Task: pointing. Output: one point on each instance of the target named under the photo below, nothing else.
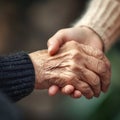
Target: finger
(89, 77)
(76, 94)
(95, 65)
(55, 42)
(93, 81)
(107, 75)
(102, 69)
(84, 88)
(53, 90)
(68, 89)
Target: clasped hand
(80, 66)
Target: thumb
(53, 46)
(55, 42)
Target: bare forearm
(103, 17)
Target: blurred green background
(27, 25)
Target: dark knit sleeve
(17, 75)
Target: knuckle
(96, 81)
(74, 44)
(88, 50)
(62, 31)
(99, 54)
(75, 53)
(85, 87)
(102, 68)
(74, 66)
(49, 41)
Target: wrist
(38, 58)
(92, 38)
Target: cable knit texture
(103, 17)
(16, 75)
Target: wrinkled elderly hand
(75, 64)
(61, 69)
(96, 64)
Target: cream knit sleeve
(103, 17)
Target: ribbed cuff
(17, 75)
(103, 17)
